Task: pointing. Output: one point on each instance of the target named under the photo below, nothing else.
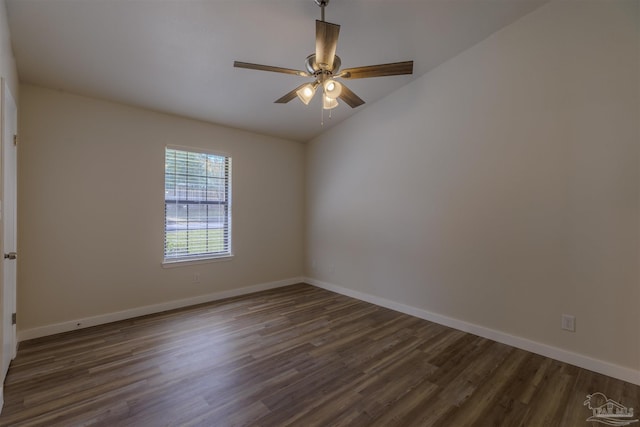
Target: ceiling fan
(324, 67)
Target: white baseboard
(86, 322)
(576, 359)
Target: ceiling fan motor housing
(314, 69)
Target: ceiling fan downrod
(322, 4)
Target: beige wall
(91, 208)
(500, 189)
(8, 69)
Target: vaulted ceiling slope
(176, 56)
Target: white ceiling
(176, 56)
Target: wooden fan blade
(350, 98)
(393, 69)
(326, 42)
(290, 95)
(260, 67)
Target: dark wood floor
(297, 356)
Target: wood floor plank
(293, 356)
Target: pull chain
(322, 115)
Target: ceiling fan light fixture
(332, 89)
(329, 103)
(324, 66)
(306, 92)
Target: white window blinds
(197, 209)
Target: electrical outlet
(568, 322)
(196, 278)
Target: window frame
(226, 254)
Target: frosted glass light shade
(332, 89)
(306, 92)
(329, 103)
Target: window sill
(192, 261)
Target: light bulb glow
(332, 89)
(329, 103)
(306, 92)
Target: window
(197, 205)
